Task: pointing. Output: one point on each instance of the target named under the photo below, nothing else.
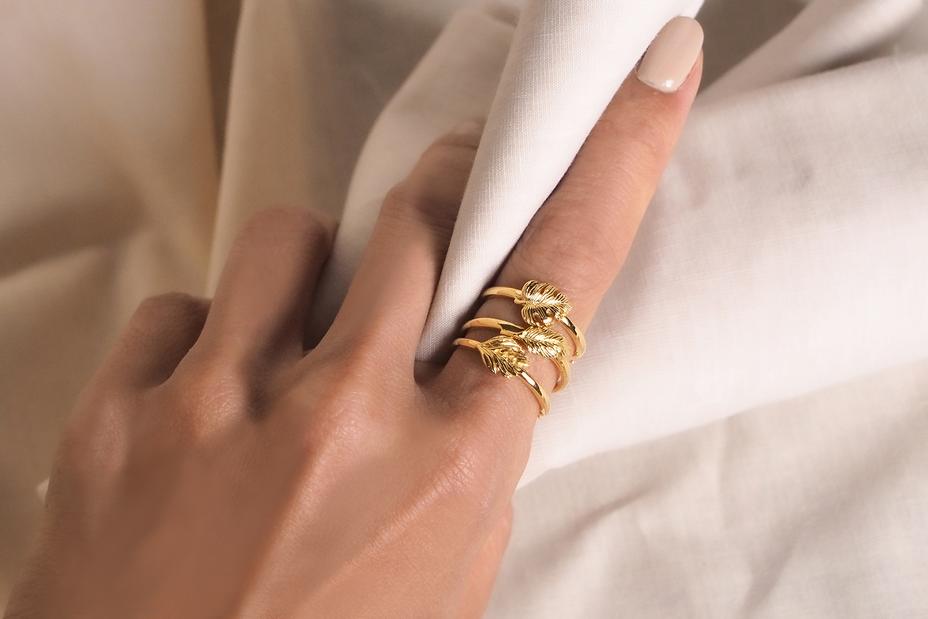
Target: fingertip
(470, 126)
(466, 133)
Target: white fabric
(764, 248)
(813, 508)
(784, 253)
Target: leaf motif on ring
(503, 355)
(543, 341)
(542, 303)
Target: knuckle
(467, 136)
(202, 395)
(93, 443)
(402, 208)
(309, 227)
(169, 306)
(611, 129)
(345, 407)
(340, 425)
(400, 202)
(432, 193)
(574, 258)
(450, 153)
(638, 146)
(359, 353)
(407, 204)
(326, 420)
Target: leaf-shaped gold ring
(542, 303)
(542, 341)
(504, 356)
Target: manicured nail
(671, 55)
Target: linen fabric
(777, 288)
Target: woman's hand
(215, 468)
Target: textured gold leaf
(543, 341)
(542, 303)
(503, 355)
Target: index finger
(580, 238)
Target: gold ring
(542, 341)
(504, 356)
(542, 304)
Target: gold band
(541, 304)
(576, 335)
(503, 291)
(542, 341)
(504, 356)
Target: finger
(266, 285)
(579, 239)
(158, 335)
(389, 298)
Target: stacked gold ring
(542, 304)
(542, 341)
(506, 354)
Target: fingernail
(671, 55)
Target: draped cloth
(745, 436)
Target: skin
(216, 468)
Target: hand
(215, 468)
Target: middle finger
(389, 298)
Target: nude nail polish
(671, 55)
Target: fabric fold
(826, 34)
(766, 267)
